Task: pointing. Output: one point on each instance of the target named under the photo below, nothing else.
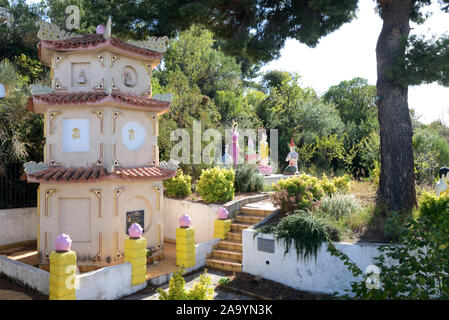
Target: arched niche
(137, 209)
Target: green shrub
(306, 230)
(248, 179)
(328, 186)
(179, 186)
(339, 206)
(216, 185)
(431, 151)
(342, 183)
(394, 226)
(297, 192)
(201, 290)
(375, 174)
(224, 281)
(435, 209)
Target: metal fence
(15, 193)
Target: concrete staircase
(227, 254)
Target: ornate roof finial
(100, 29)
(51, 32)
(107, 34)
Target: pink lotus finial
(223, 213)
(63, 243)
(184, 221)
(100, 29)
(135, 230)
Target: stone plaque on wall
(75, 135)
(265, 245)
(133, 135)
(136, 216)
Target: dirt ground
(11, 290)
(269, 289)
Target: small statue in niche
(128, 79)
(76, 133)
(82, 79)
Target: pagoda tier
(97, 42)
(41, 102)
(116, 129)
(99, 173)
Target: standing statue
(226, 160)
(235, 143)
(292, 159)
(263, 167)
(263, 150)
(442, 183)
(251, 156)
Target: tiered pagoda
(101, 169)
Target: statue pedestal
(291, 170)
(265, 170)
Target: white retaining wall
(17, 225)
(202, 215)
(108, 283)
(104, 284)
(326, 274)
(33, 277)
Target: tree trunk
(396, 183)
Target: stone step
(254, 211)
(247, 219)
(224, 264)
(230, 245)
(240, 226)
(235, 236)
(227, 254)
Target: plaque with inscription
(137, 216)
(265, 245)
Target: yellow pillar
(221, 228)
(136, 254)
(62, 275)
(185, 247)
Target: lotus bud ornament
(101, 29)
(184, 221)
(63, 243)
(223, 213)
(135, 230)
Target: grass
(356, 215)
(347, 214)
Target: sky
(350, 52)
